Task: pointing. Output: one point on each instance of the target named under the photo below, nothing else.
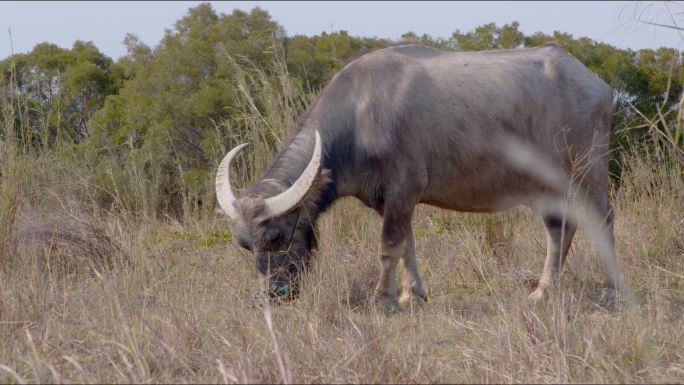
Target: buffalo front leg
(396, 231)
(386, 290)
(559, 233)
(411, 283)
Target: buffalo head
(278, 229)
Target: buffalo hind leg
(599, 217)
(559, 232)
(411, 283)
(604, 240)
(614, 287)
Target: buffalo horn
(224, 192)
(293, 196)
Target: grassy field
(89, 294)
(93, 297)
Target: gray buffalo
(468, 131)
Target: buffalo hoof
(412, 303)
(387, 304)
(413, 298)
(610, 300)
(536, 297)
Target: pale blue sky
(106, 23)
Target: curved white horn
(290, 198)
(224, 192)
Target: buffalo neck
(289, 164)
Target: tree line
(175, 108)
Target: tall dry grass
(95, 295)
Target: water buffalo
(412, 124)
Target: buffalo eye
(273, 236)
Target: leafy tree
(311, 59)
(411, 38)
(488, 36)
(57, 90)
(176, 96)
(164, 113)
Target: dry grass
(88, 295)
(173, 302)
